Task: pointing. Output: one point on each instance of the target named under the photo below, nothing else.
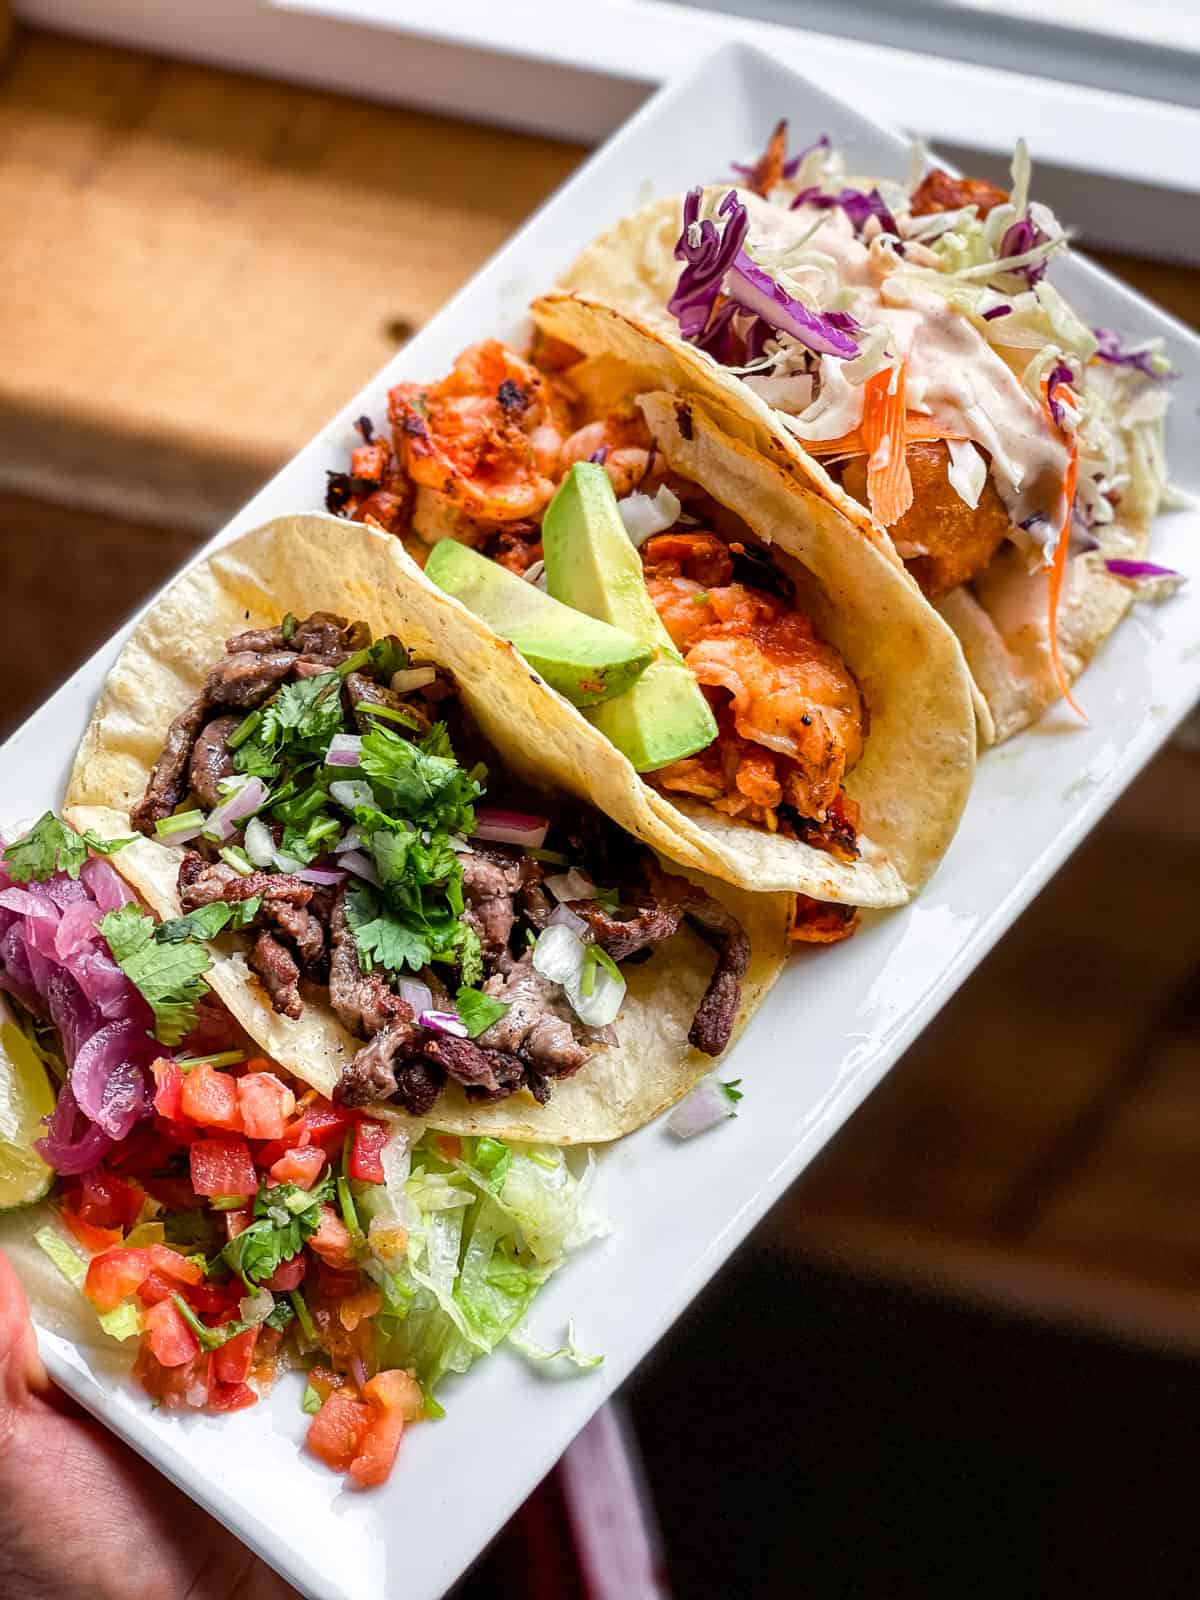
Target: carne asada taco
(903, 351)
(805, 723)
(320, 750)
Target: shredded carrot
(889, 483)
(1058, 566)
(918, 429)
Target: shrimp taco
(802, 720)
(900, 348)
(316, 748)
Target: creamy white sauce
(952, 374)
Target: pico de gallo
(231, 1221)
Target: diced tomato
(449, 1146)
(231, 1396)
(147, 1150)
(335, 1284)
(210, 1098)
(174, 1387)
(231, 1362)
(213, 1299)
(359, 1307)
(178, 1133)
(394, 1398)
(89, 1235)
(168, 1089)
(289, 1276)
(336, 1433)
(118, 1273)
(301, 1167)
(265, 1104)
(223, 1166)
(332, 1240)
(156, 1286)
(171, 1341)
(366, 1158)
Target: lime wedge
(26, 1096)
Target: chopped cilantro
(423, 784)
(209, 1338)
(287, 627)
(731, 1091)
(309, 710)
(281, 1317)
(51, 846)
(284, 1217)
(382, 938)
(206, 922)
(478, 1011)
(312, 1401)
(303, 1315)
(168, 976)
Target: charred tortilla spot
(511, 395)
(683, 417)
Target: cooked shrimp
(628, 451)
(790, 693)
(482, 445)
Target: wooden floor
(197, 270)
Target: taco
(900, 348)
(304, 732)
(806, 723)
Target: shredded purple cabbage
(1113, 351)
(707, 260)
(55, 962)
(857, 205)
(997, 311)
(1142, 571)
(1020, 238)
(716, 264)
(1060, 374)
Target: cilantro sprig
(477, 1011)
(285, 1216)
(51, 846)
(206, 922)
(169, 976)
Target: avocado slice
(592, 565)
(585, 660)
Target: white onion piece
(600, 1007)
(444, 1022)
(250, 797)
(644, 516)
(571, 885)
(416, 994)
(707, 1105)
(360, 865)
(351, 840)
(320, 875)
(345, 750)
(413, 678)
(256, 1307)
(511, 827)
(967, 471)
(563, 917)
(351, 792)
(259, 844)
(559, 951)
(282, 862)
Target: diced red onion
(755, 289)
(511, 827)
(416, 994)
(571, 885)
(223, 821)
(409, 678)
(360, 865)
(324, 876)
(345, 750)
(259, 842)
(443, 1022)
(563, 917)
(703, 1108)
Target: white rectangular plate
(836, 1022)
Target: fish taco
(798, 719)
(900, 348)
(351, 787)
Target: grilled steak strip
(211, 760)
(169, 781)
(279, 973)
(533, 1027)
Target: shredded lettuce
(484, 1223)
(123, 1322)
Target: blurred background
(960, 1356)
